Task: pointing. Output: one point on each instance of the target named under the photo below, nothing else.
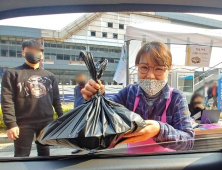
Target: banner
(120, 74)
(198, 56)
(219, 90)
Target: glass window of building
(12, 51)
(121, 26)
(53, 44)
(59, 45)
(19, 41)
(46, 55)
(19, 51)
(106, 50)
(115, 36)
(72, 57)
(4, 40)
(47, 43)
(67, 46)
(93, 33)
(53, 56)
(59, 57)
(4, 50)
(104, 34)
(116, 51)
(116, 60)
(91, 49)
(78, 47)
(12, 41)
(111, 60)
(111, 50)
(72, 47)
(77, 58)
(83, 47)
(110, 24)
(19, 55)
(66, 57)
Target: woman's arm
(180, 132)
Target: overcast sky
(54, 22)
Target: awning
(176, 35)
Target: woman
(167, 121)
(195, 105)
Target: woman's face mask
(152, 86)
(153, 80)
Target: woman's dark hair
(32, 44)
(191, 105)
(159, 52)
(195, 95)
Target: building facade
(100, 33)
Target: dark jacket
(178, 127)
(78, 99)
(28, 96)
(209, 92)
(193, 110)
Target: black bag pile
(97, 124)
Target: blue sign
(219, 91)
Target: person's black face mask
(82, 83)
(32, 58)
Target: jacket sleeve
(179, 135)
(8, 100)
(121, 96)
(56, 98)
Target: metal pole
(127, 62)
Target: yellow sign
(198, 56)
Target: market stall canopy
(176, 35)
(15, 8)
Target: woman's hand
(91, 88)
(152, 129)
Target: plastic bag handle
(96, 71)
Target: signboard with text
(219, 90)
(198, 56)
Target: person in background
(212, 92)
(81, 80)
(29, 94)
(206, 87)
(195, 105)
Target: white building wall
(100, 25)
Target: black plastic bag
(97, 124)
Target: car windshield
(159, 93)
